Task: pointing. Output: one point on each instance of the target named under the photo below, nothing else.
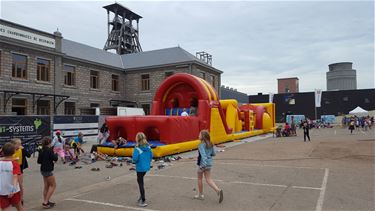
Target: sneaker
(142, 204)
(199, 197)
(139, 200)
(221, 196)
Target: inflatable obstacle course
(171, 133)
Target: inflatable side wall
(174, 133)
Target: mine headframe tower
(123, 36)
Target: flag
(318, 97)
(270, 97)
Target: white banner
(270, 97)
(318, 97)
(26, 36)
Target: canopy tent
(359, 111)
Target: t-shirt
(57, 144)
(18, 156)
(8, 168)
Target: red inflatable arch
(178, 92)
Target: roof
(288, 78)
(122, 10)
(88, 53)
(159, 57)
(146, 59)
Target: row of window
(43, 107)
(19, 70)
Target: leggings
(140, 176)
(306, 134)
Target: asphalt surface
(335, 171)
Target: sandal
(46, 206)
(52, 204)
(95, 169)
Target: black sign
(29, 129)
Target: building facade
(341, 76)
(230, 93)
(43, 73)
(288, 85)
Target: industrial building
(332, 102)
(43, 73)
(341, 76)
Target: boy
(9, 171)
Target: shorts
(14, 200)
(46, 173)
(201, 170)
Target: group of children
(14, 161)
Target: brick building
(43, 73)
(286, 85)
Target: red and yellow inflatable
(171, 133)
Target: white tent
(359, 111)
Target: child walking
(46, 158)
(205, 153)
(9, 185)
(20, 156)
(142, 156)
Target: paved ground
(333, 172)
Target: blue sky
(254, 43)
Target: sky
(252, 42)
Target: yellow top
(18, 156)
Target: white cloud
(254, 43)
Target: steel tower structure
(123, 37)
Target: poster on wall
(70, 126)
(29, 129)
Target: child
(20, 156)
(46, 158)
(9, 185)
(206, 151)
(119, 141)
(142, 156)
(58, 144)
(76, 144)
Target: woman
(46, 158)
(142, 156)
(206, 151)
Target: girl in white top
(58, 144)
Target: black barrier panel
(29, 129)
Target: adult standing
(142, 156)
(205, 153)
(306, 129)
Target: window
(0, 62)
(146, 108)
(19, 106)
(115, 83)
(145, 82)
(70, 108)
(69, 75)
(167, 74)
(94, 79)
(43, 107)
(212, 80)
(43, 67)
(203, 75)
(19, 66)
(94, 105)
